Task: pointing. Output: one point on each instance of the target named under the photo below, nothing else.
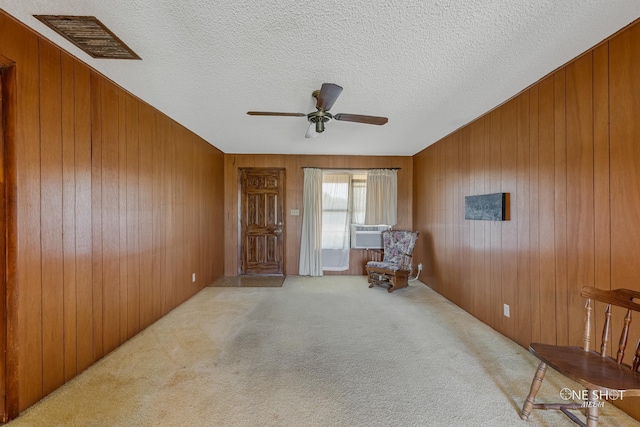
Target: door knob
(279, 229)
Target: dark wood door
(3, 255)
(8, 238)
(262, 208)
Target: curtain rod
(353, 169)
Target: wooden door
(8, 292)
(3, 288)
(262, 226)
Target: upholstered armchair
(391, 267)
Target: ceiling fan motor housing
(319, 118)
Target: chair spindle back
(621, 298)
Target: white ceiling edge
(431, 67)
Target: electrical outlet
(193, 277)
(419, 267)
(506, 310)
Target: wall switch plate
(193, 277)
(295, 212)
(506, 310)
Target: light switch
(295, 212)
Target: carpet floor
(249, 282)
(324, 351)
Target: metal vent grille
(90, 35)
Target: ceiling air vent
(90, 35)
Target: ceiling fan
(325, 97)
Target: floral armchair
(392, 266)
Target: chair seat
(588, 368)
(384, 265)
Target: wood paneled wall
(293, 165)
(566, 150)
(117, 206)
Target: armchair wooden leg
(392, 284)
(535, 386)
(370, 279)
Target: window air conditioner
(367, 236)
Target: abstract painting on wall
(488, 207)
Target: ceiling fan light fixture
(319, 126)
(311, 131)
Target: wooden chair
(392, 266)
(602, 376)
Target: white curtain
(336, 220)
(311, 239)
(358, 196)
(382, 197)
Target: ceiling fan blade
(370, 120)
(327, 96)
(271, 113)
(311, 131)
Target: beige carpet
(249, 282)
(317, 352)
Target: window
(343, 203)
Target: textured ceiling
(430, 66)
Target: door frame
(9, 403)
(241, 222)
